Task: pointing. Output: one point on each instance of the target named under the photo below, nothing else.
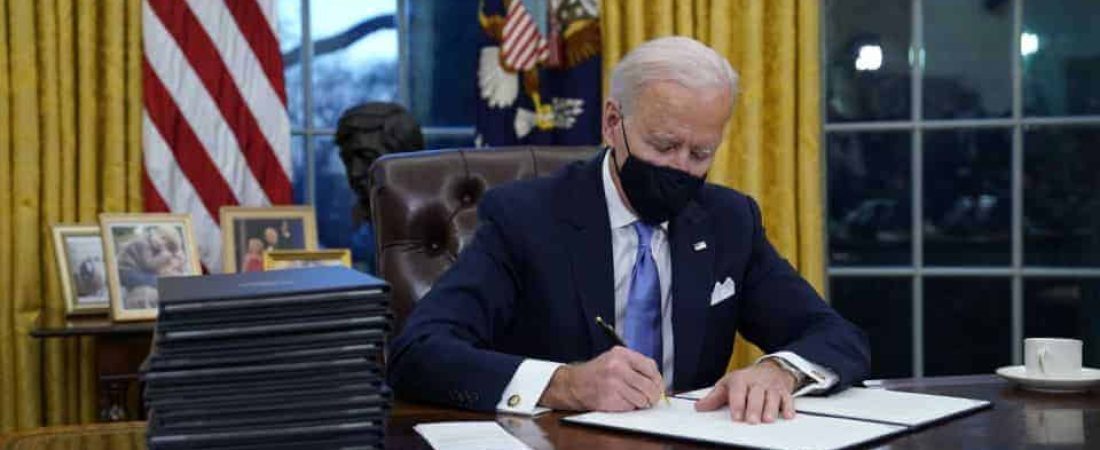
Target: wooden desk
(1018, 419)
(120, 350)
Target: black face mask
(657, 193)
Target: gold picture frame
(248, 233)
(138, 249)
(78, 251)
(293, 259)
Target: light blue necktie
(642, 324)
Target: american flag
(522, 45)
(215, 128)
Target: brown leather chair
(424, 207)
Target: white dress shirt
(533, 375)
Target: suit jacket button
(513, 400)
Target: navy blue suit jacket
(539, 270)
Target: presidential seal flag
(215, 129)
(538, 72)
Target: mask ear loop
(622, 127)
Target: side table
(120, 350)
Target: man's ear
(611, 119)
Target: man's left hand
(755, 394)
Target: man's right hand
(620, 379)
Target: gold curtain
(772, 145)
(70, 148)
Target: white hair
(679, 59)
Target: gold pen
(610, 332)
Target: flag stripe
(528, 49)
(523, 47)
(247, 72)
(187, 150)
(509, 23)
(177, 194)
(267, 7)
(153, 202)
(260, 38)
(515, 42)
(519, 32)
(203, 57)
(201, 112)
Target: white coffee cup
(1052, 357)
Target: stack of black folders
(272, 360)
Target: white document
(901, 408)
(696, 394)
(481, 435)
(679, 419)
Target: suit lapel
(692, 278)
(587, 233)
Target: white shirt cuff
(523, 392)
(820, 378)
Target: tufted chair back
(425, 207)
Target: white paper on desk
(696, 394)
(902, 408)
(481, 435)
(679, 419)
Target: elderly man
(632, 243)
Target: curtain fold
(70, 148)
(772, 145)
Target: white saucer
(1087, 379)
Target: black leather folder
(286, 356)
(367, 386)
(260, 344)
(285, 382)
(214, 291)
(267, 437)
(213, 411)
(255, 373)
(227, 318)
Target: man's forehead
(669, 130)
(664, 135)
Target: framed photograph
(247, 233)
(79, 252)
(138, 249)
(293, 259)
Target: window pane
(867, 66)
(1062, 196)
(968, 59)
(869, 198)
(968, 197)
(448, 140)
(967, 325)
(354, 55)
(334, 199)
(1060, 47)
(881, 307)
(443, 38)
(1067, 308)
(298, 164)
(290, 39)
